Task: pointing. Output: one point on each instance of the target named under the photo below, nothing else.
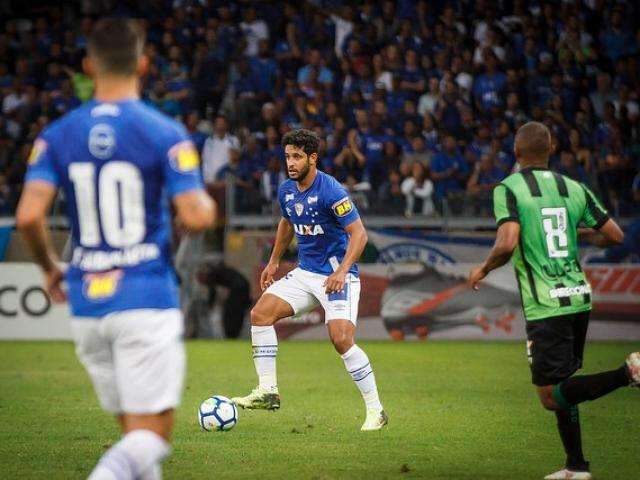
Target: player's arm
(357, 241)
(31, 221)
(195, 210)
(602, 230)
(506, 241)
(507, 238)
(284, 235)
(606, 236)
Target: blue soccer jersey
(119, 164)
(319, 216)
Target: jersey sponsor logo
(102, 141)
(342, 207)
(308, 229)
(312, 200)
(101, 286)
(563, 292)
(288, 197)
(299, 208)
(39, 147)
(183, 157)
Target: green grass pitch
(457, 411)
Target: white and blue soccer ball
(217, 414)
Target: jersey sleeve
(504, 205)
(181, 165)
(41, 163)
(341, 205)
(594, 215)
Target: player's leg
(552, 357)
(557, 348)
(341, 313)
(149, 363)
(284, 298)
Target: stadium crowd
(416, 102)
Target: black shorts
(555, 347)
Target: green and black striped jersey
(549, 208)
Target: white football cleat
(566, 474)
(259, 399)
(376, 419)
(633, 364)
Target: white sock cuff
(352, 351)
(151, 440)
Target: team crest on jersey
(102, 141)
(299, 208)
(101, 286)
(39, 147)
(342, 207)
(184, 157)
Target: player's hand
(53, 284)
(266, 278)
(335, 282)
(475, 276)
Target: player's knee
(342, 342)
(549, 403)
(260, 318)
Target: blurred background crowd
(416, 102)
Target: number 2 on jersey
(554, 223)
(121, 200)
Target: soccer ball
(217, 413)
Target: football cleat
(566, 474)
(376, 419)
(259, 399)
(633, 366)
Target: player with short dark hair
(538, 214)
(331, 237)
(120, 163)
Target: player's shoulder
(328, 184)
(512, 182)
(288, 186)
(58, 129)
(150, 117)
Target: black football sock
(575, 390)
(569, 429)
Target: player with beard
(330, 237)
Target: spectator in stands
(571, 168)
(486, 175)
(447, 167)
(253, 30)
(216, 150)
(418, 190)
(603, 93)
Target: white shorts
(305, 290)
(134, 358)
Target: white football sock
(357, 364)
(265, 349)
(153, 473)
(133, 457)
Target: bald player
(538, 213)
